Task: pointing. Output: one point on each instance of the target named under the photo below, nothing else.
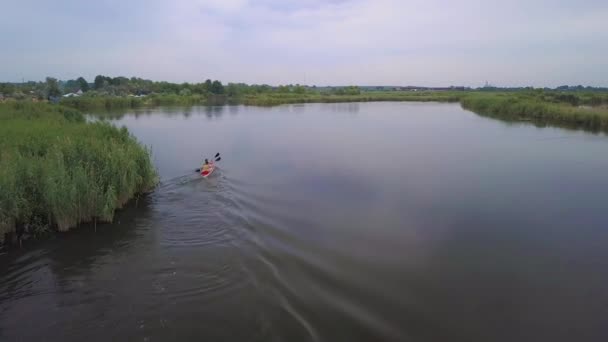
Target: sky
(333, 42)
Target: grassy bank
(554, 109)
(582, 109)
(109, 103)
(271, 99)
(57, 171)
(96, 103)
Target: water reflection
(234, 110)
(214, 111)
(78, 252)
(345, 107)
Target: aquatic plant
(58, 170)
(538, 109)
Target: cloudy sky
(331, 42)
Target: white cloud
(324, 42)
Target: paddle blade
(197, 170)
(217, 155)
(218, 159)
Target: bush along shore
(110, 103)
(568, 111)
(271, 99)
(57, 171)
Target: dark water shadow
(71, 254)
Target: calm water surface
(334, 222)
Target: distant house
(76, 94)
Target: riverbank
(568, 111)
(271, 99)
(91, 103)
(96, 103)
(57, 171)
(584, 110)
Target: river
(333, 222)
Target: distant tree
(353, 90)
(70, 86)
(83, 84)
(7, 88)
(217, 87)
(166, 87)
(233, 90)
(207, 86)
(298, 89)
(52, 87)
(198, 88)
(350, 90)
(99, 82)
(264, 88)
(118, 81)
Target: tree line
(122, 86)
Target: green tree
(99, 82)
(298, 89)
(232, 90)
(70, 86)
(199, 88)
(83, 84)
(217, 87)
(52, 87)
(118, 81)
(207, 86)
(7, 88)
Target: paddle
(217, 159)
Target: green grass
(58, 171)
(271, 99)
(110, 103)
(540, 108)
(85, 103)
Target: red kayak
(206, 173)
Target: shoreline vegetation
(565, 106)
(576, 110)
(58, 171)
(573, 111)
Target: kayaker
(206, 165)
